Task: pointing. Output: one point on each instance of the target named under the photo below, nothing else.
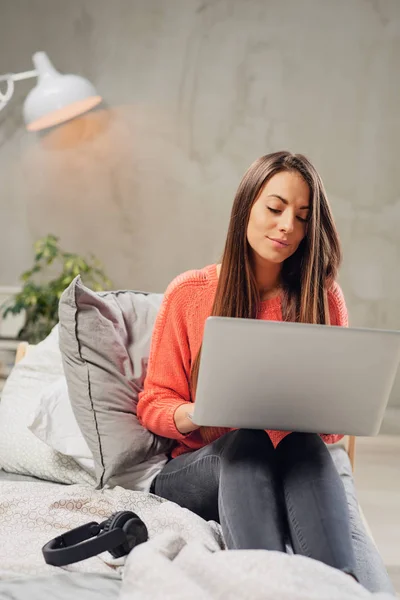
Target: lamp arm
(10, 78)
(19, 76)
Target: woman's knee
(246, 443)
(300, 442)
(303, 451)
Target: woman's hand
(183, 418)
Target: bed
(44, 491)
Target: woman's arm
(165, 401)
(337, 307)
(339, 317)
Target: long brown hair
(306, 275)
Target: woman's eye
(276, 211)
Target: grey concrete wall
(194, 91)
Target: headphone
(119, 535)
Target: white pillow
(54, 423)
(20, 451)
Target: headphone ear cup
(136, 532)
(117, 520)
(133, 527)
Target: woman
(280, 263)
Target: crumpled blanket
(169, 567)
(33, 513)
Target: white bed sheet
(32, 513)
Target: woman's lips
(278, 243)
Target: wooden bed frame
(350, 444)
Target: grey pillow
(105, 341)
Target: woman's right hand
(183, 420)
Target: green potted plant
(52, 271)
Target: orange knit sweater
(177, 337)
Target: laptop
(295, 377)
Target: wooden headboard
(21, 351)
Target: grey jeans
(260, 495)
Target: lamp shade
(56, 98)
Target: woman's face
(278, 218)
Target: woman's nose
(286, 224)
